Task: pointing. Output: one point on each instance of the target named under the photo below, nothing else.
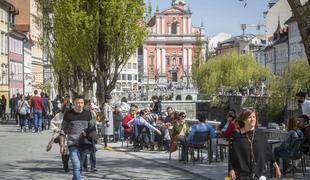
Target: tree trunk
(301, 15)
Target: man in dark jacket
(77, 123)
(303, 124)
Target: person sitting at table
(232, 125)
(287, 147)
(249, 150)
(142, 124)
(201, 127)
(224, 123)
(179, 131)
(303, 124)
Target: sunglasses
(183, 116)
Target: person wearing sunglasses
(179, 131)
(232, 126)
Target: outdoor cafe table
(271, 142)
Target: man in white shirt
(305, 104)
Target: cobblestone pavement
(23, 156)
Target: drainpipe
(275, 59)
(8, 50)
(288, 53)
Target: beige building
(128, 78)
(27, 22)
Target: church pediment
(174, 10)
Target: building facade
(168, 53)
(16, 62)
(27, 22)
(27, 67)
(242, 44)
(296, 47)
(7, 19)
(128, 78)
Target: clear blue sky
(222, 15)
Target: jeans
(37, 118)
(23, 121)
(74, 153)
(92, 159)
(30, 123)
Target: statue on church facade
(177, 2)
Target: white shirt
(306, 108)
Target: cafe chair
(297, 155)
(201, 141)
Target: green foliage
(216, 102)
(95, 39)
(229, 71)
(283, 89)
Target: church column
(157, 25)
(163, 62)
(184, 24)
(185, 58)
(163, 25)
(189, 25)
(169, 28)
(157, 60)
(145, 70)
(189, 60)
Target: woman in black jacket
(249, 150)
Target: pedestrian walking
(37, 107)
(3, 105)
(12, 106)
(77, 123)
(88, 143)
(23, 108)
(108, 121)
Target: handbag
(18, 110)
(50, 144)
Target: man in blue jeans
(37, 107)
(76, 124)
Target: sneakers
(93, 169)
(109, 148)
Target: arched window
(174, 28)
(168, 61)
(189, 97)
(178, 98)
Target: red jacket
(126, 120)
(230, 129)
(36, 102)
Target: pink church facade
(168, 53)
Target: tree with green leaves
(229, 71)
(282, 89)
(93, 40)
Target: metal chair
(201, 140)
(297, 155)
